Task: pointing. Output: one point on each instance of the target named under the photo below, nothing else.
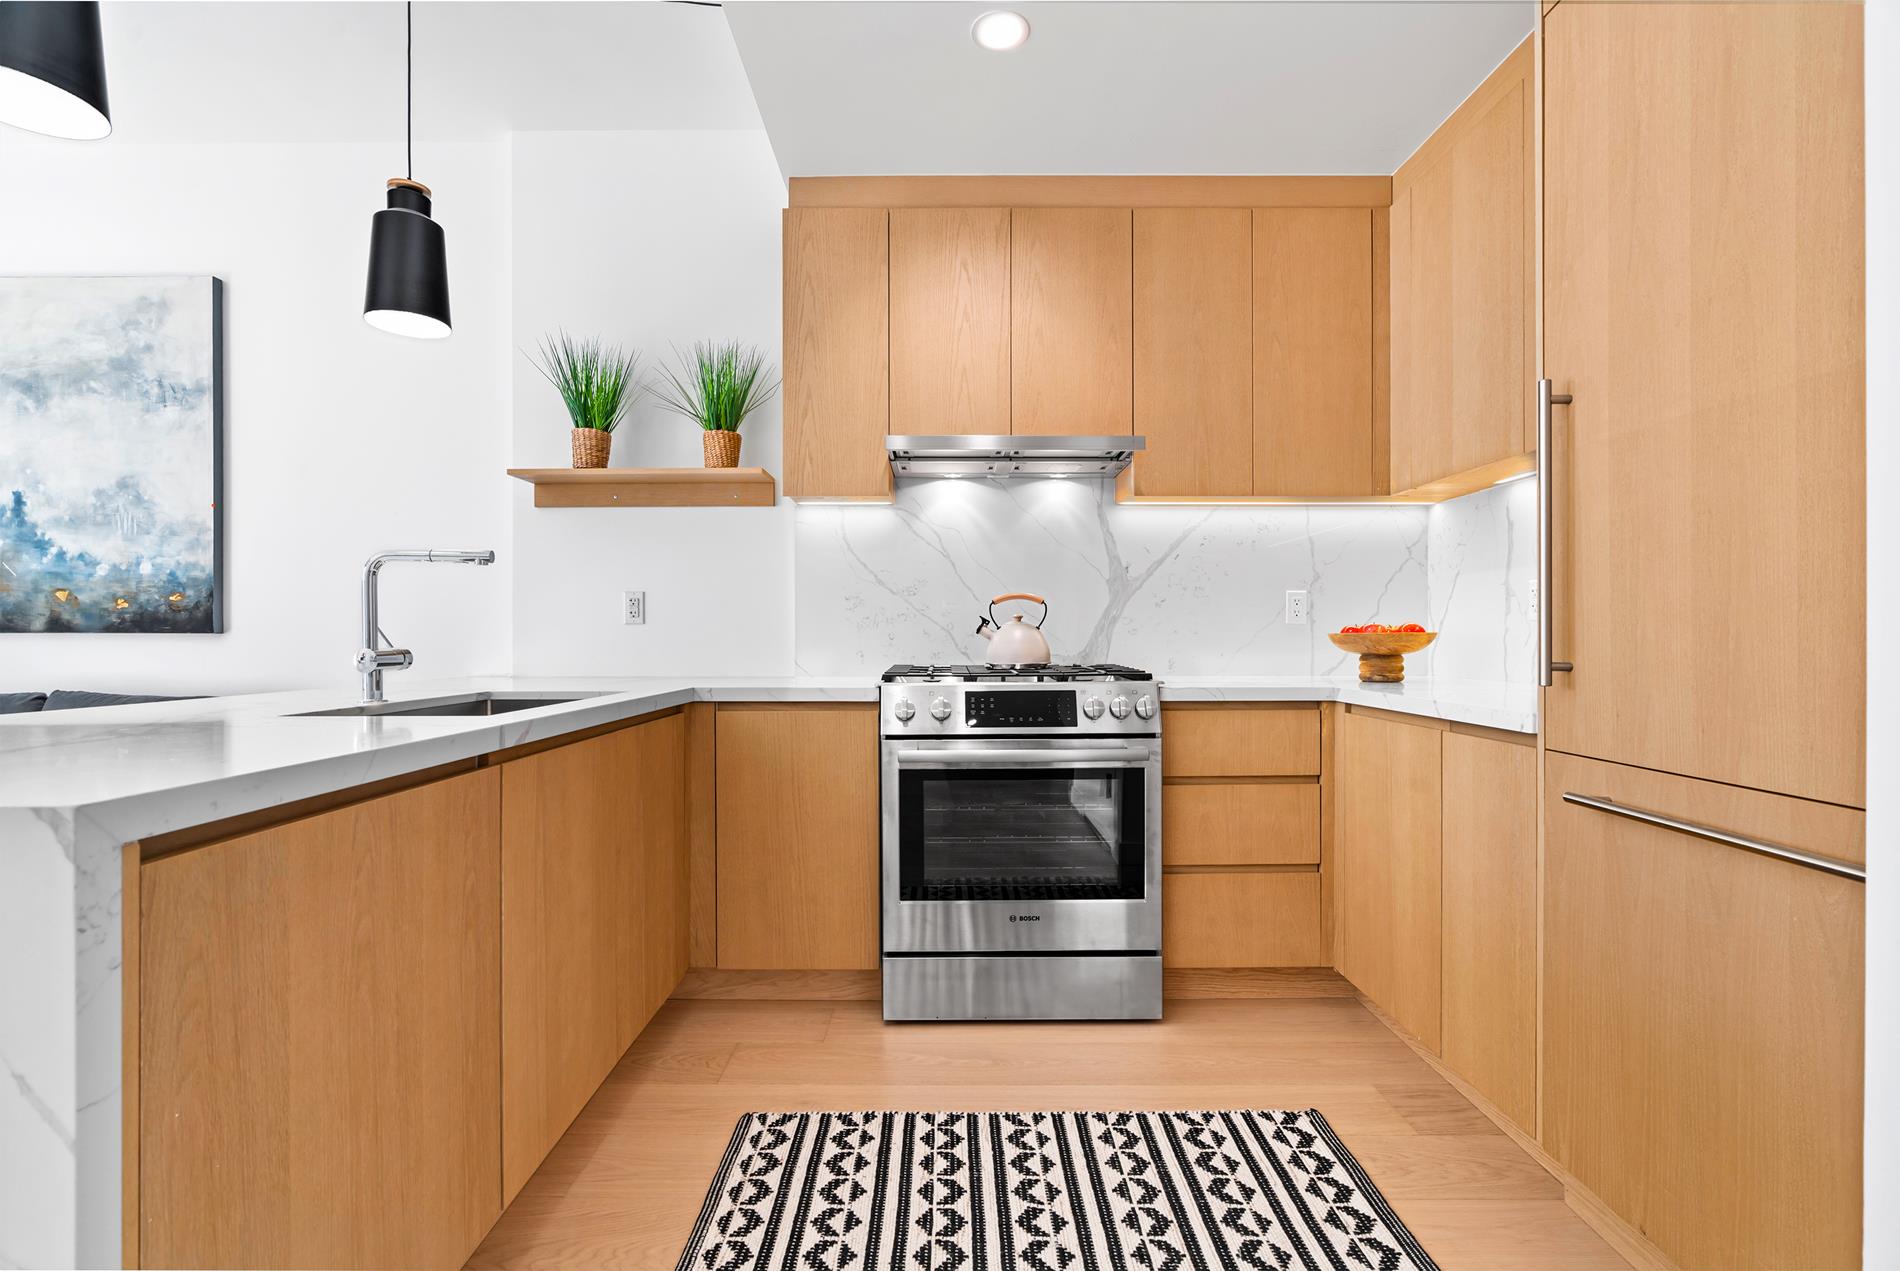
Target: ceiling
(1155, 87)
(1148, 86)
(299, 71)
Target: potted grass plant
(598, 384)
(716, 387)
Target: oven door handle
(991, 756)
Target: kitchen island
(77, 788)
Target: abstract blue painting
(111, 454)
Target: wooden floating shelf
(650, 487)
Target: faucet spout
(372, 659)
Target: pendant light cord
(409, 87)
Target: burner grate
(973, 673)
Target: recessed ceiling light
(1001, 30)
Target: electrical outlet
(634, 608)
(1296, 609)
(1533, 605)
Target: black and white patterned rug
(1044, 1191)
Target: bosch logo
(1025, 917)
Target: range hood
(1020, 456)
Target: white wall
(340, 440)
(1882, 1179)
(647, 239)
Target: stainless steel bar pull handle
(1051, 758)
(1793, 855)
(1547, 665)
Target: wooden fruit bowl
(1381, 653)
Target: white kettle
(1016, 643)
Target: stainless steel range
(1021, 855)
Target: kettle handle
(1031, 597)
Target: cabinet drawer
(1240, 919)
(1244, 741)
(1240, 823)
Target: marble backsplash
(1181, 590)
(1481, 583)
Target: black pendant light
(53, 69)
(408, 291)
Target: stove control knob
(939, 709)
(1092, 707)
(1119, 707)
(1145, 706)
(904, 711)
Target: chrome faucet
(373, 659)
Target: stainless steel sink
(460, 704)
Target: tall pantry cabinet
(1702, 305)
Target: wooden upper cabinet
(1708, 475)
(319, 1039)
(837, 352)
(1193, 381)
(1312, 351)
(949, 321)
(1462, 276)
(1071, 320)
(1388, 860)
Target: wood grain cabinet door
(949, 321)
(1193, 378)
(1071, 339)
(1312, 351)
(1703, 1018)
(319, 1038)
(1387, 855)
(1462, 275)
(1489, 918)
(593, 915)
(837, 352)
(797, 831)
(1704, 292)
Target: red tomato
(1412, 626)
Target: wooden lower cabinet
(1253, 740)
(1387, 859)
(1488, 913)
(1240, 918)
(1240, 823)
(797, 836)
(593, 921)
(319, 1038)
(1703, 1018)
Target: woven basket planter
(722, 448)
(591, 447)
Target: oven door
(1022, 845)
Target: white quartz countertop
(147, 769)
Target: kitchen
(698, 798)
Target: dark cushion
(67, 699)
(20, 703)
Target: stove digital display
(1025, 708)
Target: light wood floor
(623, 1187)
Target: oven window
(1002, 834)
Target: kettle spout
(984, 627)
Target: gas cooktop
(907, 673)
